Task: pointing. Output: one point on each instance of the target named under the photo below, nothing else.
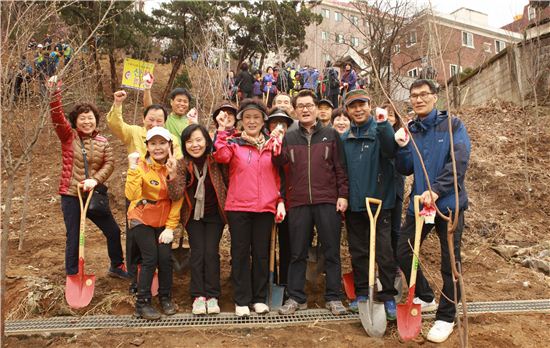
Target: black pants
(250, 235)
(358, 224)
(446, 310)
(204, 240)
(396, 223)
(132, 252)
(334, 99)
(284, 252)
(301, 220)
(154, 254)
(107, 224)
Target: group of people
(301, 166)
(327, 84)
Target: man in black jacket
(317, 194)
(244, 81)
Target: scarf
(258, 142)
(199, 193)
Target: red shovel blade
(154, 284)
(409, 318)
(79, 288)
(349, 286)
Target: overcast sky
(501, 12)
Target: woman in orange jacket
(152, 217)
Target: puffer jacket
(177, 187)
(147, 190)
(98, 152)
(431, 135)
(254, 181)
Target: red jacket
(99, 152)
(254, 181)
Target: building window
(397, 49)
(338, 16)
(411, 40)
(487, 47)
(412, 72)
(467, 39)
(324, 35)
(531, 13)
(499, 45)
(354, 20)
(354, 41)
(325, 13)
(455, 69)
(339, 38)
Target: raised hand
(120, 96)
(148, 80)
(381, 115)
(133, 159)
(222, 120)
(402, 137)
(54, 84)
(193, 116)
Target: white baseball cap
(161, 131)
(39, 46)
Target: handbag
(99, 204)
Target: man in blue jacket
(369, 146)
(430, 131)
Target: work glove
(381, 115)
(148, 81)
(133, 159)
(277, 139)
(89, 184)
(167, 236)
(428, 212)
(193, 116)
(54, 84)
(281, 212)
(402, 137)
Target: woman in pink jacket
(253, 199)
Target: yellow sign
(132, 76)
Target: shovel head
(277, 293)
(409, 318)
(79, 288)
(374, 322)
(349, 286)
(180, 260)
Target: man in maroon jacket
(318, 192)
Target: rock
(506, 251)
(502, 138)
(542, 266)
(543, 254)
(526, 284)
(499, 174)
(523, 252)
(138, 341)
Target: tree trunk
(23, 225)
(93, 49)
(4, 255)
(112, 63)
(170, 82)
(262, 58)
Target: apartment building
(536, 13)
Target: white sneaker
(426, 306)
(199, 306)
(212, 306)
(261, 308)
(440, 331)
(242, 311)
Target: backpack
(333, 80)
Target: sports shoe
(336, 307)
(391, 310)
(440, 331)
(291, 306)
(426, 306)
(242, 311)
(119, 272)
(353, 307)
(261, 308)
(199, 305)
(212, 306)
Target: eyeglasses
(422, 95)
(306, 106)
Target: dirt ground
(509, 204)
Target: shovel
(372, 314)
(409, 314)
(79, 288)
(180, 258)
(315, 263)
(349, 287)
(276, 292)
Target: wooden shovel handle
(419, 223)
(272, 249)
(83, 211)
(372, 242)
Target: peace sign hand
(171, 164)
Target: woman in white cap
(253, 202)
(153, 216)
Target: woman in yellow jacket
(152, 218)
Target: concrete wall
(508, 76)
